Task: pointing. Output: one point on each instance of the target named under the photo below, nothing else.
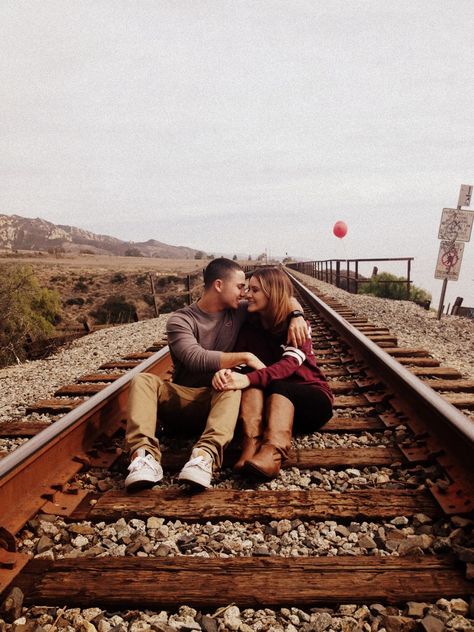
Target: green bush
(385, 285)
(115, 310)
(28, 310)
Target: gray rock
(163, 550)
(432, 624)
(320, 621)
(460, 623)
(367, 542)
(208, 624)
(44, 544)
(416, 609)
(394, 623)
(11, 606)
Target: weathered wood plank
(251, 505)
(350, 401)
(466, 386)
(418, 361)
(310, 459)
(22, 428)
(54, 406)
(139, 356)
(255, 582)
(79, 389)
(352, 424)
(120, 364)
(440, 371)
(100, 377)
(342, 387)
(407, 351)
(460, 400)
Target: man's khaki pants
(151, 399)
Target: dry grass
(91, 279)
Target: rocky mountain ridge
(23, 233)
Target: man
(200, 338)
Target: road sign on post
(465, 194)
(454, 229)
(449, 260)
(456, 225)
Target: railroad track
(401, 455)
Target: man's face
(232, 289)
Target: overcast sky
(236, 127)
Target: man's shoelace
(200, 461)
(142, 461)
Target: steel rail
(454, 429)
(54, 455)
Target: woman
(288, 385)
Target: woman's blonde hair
(278, 289)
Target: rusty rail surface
(453, 428)
(54, 455)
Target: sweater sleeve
(185, 347)
(291, 360)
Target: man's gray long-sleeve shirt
(197, 339)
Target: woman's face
(257, 301)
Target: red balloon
(340, 229)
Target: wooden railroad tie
(250, 505)
(246, 581)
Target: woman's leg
(279, 413)
(251, 418)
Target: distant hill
(23, 233)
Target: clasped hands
(228, 380)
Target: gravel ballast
(450, 341)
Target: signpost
(455, 229)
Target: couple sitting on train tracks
(235, 349)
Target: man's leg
(142, 410)
(219, 430)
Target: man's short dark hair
(220, 268)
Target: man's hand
(220, 379)
(298, 332)
(236, 381)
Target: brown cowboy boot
(251, 417)
(276, 440)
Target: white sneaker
(144, 470)
(198, 470)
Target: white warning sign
(449, 260)
(456, 225)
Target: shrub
(80, 286)
(142, 278)
(133, 252)
(75, 301)
(28, 310)
(115, 310)
(119, 277)
(171, 304)
(387, 285)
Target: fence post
(408, 279)
(356, 289)
(153, 293)
(188, 289)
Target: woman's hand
(235, 382)
(298, 332)
(253, 362)
(220, 379)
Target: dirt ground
(85, 282)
